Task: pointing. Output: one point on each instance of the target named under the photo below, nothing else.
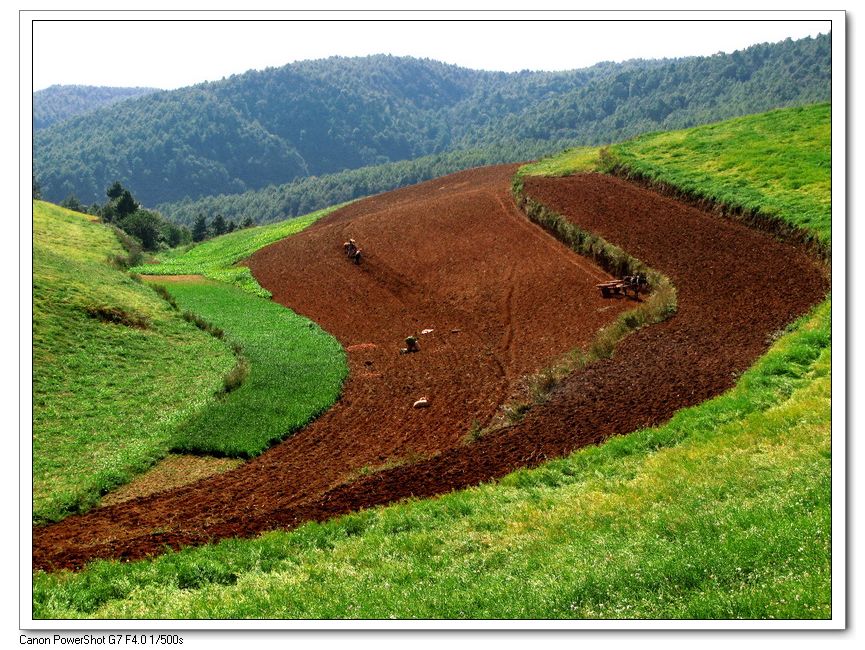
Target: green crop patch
(217, 258)
(294, 371)
(114, 368)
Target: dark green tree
(125, 204)
(144, 225)
(249, 222)
(71, 202)
(219, 226)
(108, 212)
(114, 191)
(199, 229)
(174, 235)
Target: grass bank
(115, 370)
(217, 258)
(293, 371)
(659, 305)
(772, 171)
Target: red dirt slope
(502, 297)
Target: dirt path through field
(454, 255)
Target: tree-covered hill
(58, 103)
(321, 117)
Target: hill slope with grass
(724, 512)
(124, 374)
(115, 369)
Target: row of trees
(305, 195)
(201, 230)
(148, 227)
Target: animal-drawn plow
(633, 283)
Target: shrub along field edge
(659, 306)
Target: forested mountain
(314, 118)
(58, 103)
(304, 195)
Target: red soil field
(503, 298)
(454, 255)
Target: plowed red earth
(503, 298)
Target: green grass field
(778, 163)
(107, 397)
(217, 258)
(724, 512)
(296, 371)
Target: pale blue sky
(170, 54)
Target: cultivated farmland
(719, 510)
(502, 298)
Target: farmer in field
(411, 345)
(352, 251)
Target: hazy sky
(171, 54)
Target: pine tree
(199, 228)
(219, 225)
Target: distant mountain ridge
(312, 118)
(58, 103)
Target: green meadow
(722, 513)
(292, 370)
(777, 163)
(107, 396)
(217, 258)
(122, 377)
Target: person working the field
(411, 345)
(352, 251)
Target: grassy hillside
(114, 368)
(121, 377)
(778, 163)
(724, 512)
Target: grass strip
(293, 371)
(217, 258)
(657, 307)
(115, 370)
